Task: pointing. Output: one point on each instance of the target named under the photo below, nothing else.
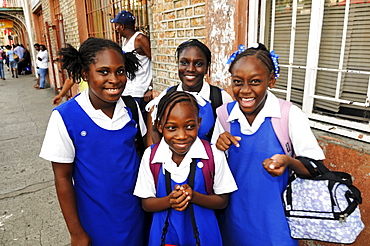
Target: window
(324, 46)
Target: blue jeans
(42, 73)
(2, 69)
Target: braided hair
(259, 52)
(195, 43)
(74, 61)
(170, 100)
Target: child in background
(194, 61)
(90, 142)
(255, 214)
(179, 150)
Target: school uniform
(180, 231)
(105, 163)
(255, 215)
(205, 107)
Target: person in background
(42, 62)
(141, 87)
(2, 59)
(90, 141)
(13, 64)
(68, 83)
(19, 51)
(37, 48)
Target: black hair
(74, 61)
(170, 100)
(259, 52)
(196, 43)
(42, 45)
(36, 44)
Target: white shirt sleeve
(57, 145)
(145, 186)
(224, 181)
(303, 140)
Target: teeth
(247, 99)
(190, 77)
(112, 89)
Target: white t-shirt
(303, 141)
(140, 84)
(43, 54)
(145, 187)
(58, 146)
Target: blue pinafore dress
(255, 214)
(180, 230)
(104, 175)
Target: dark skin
(180, 131)
(107, 80)
(142, 47)
(192, 67)
(250, 80)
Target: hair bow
(241, 48)
(274, 58)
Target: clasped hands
(180, 197)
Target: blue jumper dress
(104, 175)
(180, 230)
(255, 214)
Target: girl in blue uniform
(179, 150)
(90, 142)
(194, 61)
(255, 214)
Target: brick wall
(68, 10)
(173, 22)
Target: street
(29, 209)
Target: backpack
(280, 125)
(139, 141)
(208, 166)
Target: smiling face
(250, 80)
(192, 66)
(106, 78)
(179, 128)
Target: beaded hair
(170, 100)
(74, 61)
(259, 51)
(196, 43)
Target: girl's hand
(188, 191)
(225, 140)
(80, 240)
(178, 199)
(276, 165)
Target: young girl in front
(184, 207)
(255, 214)
(90, 142)
(194, 61)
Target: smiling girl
(90, 142)
(255, 215)
(186, 208)
(194, 61)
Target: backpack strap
(216, 98)
(131, 104)
(281, 127)
(223, 114)
(154, 167)
(208, 169)
(172, 89)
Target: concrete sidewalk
(29, 209)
